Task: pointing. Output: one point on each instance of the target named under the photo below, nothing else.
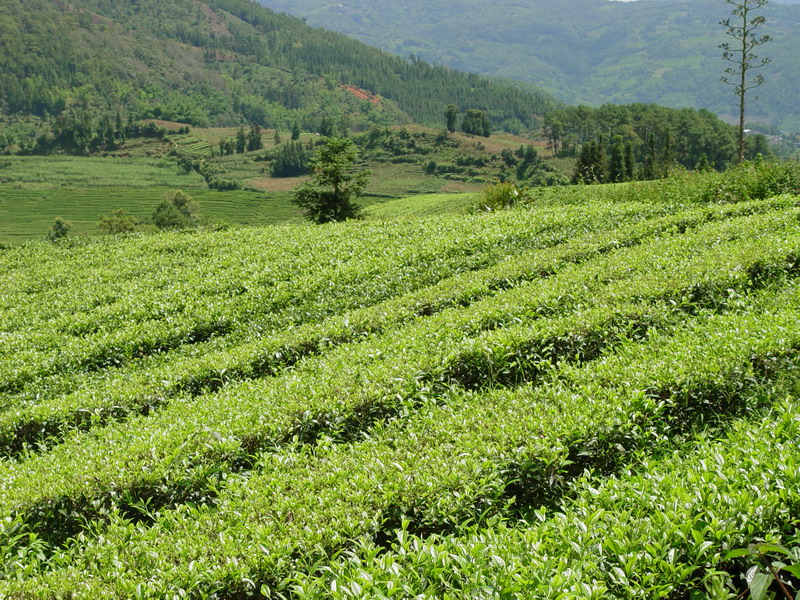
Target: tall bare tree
(741, 26)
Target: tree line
(640, 141)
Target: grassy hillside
(220, 62)
(585, 51)
(593, 395)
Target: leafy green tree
(508, 157)
(646, 127)
(177, 210)
(476, 122)
(530, 162)
(755, 145)
(292, 160)
(336, 183)
(295, 132)
(326, 127)
(741, 26)
(451, 117)
(59, 230)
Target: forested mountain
(222, 62)
(585, 51)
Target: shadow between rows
(526, 486)
(199, 480)
(31, 435)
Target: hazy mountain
(590, 51)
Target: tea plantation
(595, 394)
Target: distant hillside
(585, 51)
(222, 62)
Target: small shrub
(117, 222)
(223, 185)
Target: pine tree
(241, 140)
(254, 141)
(335, 185)
(616, 166)
(591, 165)
(630, 162)
(486, 125)
(650, 162)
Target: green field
(36, 190)
(53, 172)
(592, 395)
(29, 214)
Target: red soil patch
(363, 94)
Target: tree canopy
(656, 134)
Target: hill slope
(585, 51)
(298, 410)
(221, 62)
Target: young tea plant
(499, 196)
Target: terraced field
(592, 396)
